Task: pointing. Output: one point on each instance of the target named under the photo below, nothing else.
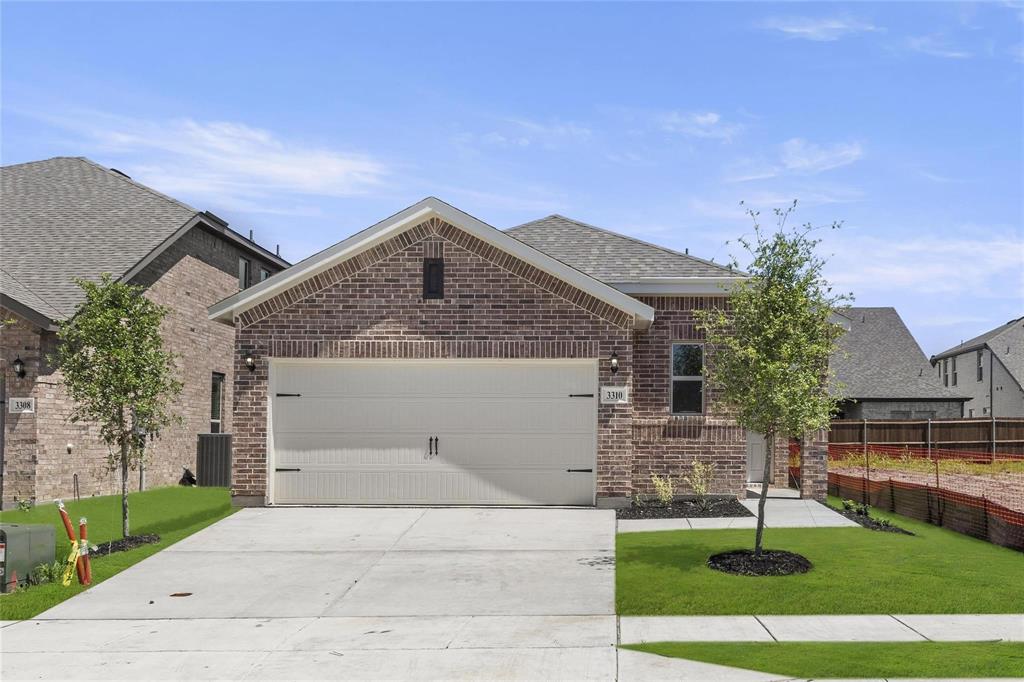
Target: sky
(309, 122)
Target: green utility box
(22, 548)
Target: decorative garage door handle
(580, 471)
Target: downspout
(992, 403)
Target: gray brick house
(989, 369)
(434, 359)
(64, 218)
(885, 373)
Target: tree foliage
(117, 372)
(769, 348)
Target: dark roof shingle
(1006, 341)
(879, 358)
(68, 217)
(611, 257)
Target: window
(433, 278)
(687, 378)
(954, 371)
(264, 274)
(244, 270)
(899, 414)
(981, 368)
(971, 413)
(945, 372)
(216, 402)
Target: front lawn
(855, 571)
(172, 513)
(817, 660)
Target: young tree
(770, 347)
(117, 372)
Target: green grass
(816, 660)
(855, 571)
(172, 513)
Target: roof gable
(879, 358)
(611, 257)
(1005, 341)
(310, 273)
(69, 217)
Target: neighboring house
(434, 359)
(989, 369)
(68, 218)
(885, 374)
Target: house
(884, 373)
(989, 369)
(434, 359)
(67, 218)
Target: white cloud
(983, 265)
(796, 156)
(936, 46)
(706, 124)
(824, 29)
(805, 157)
(523, 133)
(241, 167)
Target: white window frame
(673, 378)
(981, 366)
(954, 370)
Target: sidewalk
(778, 513)
(867, 628)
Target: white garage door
(433, 432)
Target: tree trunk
(124, 488)
(769, 456)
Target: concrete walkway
(778, 513)
(861, 628)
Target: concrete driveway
(346, 593)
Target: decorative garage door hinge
(288, 395)
(580, 471)
(284, 469)
(581, 395)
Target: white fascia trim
(229, 308)
(678, 286)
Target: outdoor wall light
(250, 361)
(614, 362)
(19, 367)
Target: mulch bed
(771, 562)
(870, 523)
(681, 509)
(130, 542)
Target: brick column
(814, 466)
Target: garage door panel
(307, 414)
(507, 432)
(439, 487)
(555, 452)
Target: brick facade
(494, 306)
(196, 271)
(667, 444)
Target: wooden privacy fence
(213, 460)
(974, 436)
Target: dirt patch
(130, 542)
(685, 509)
(1001, 488)
(770, 562)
